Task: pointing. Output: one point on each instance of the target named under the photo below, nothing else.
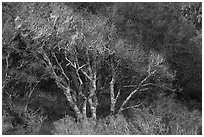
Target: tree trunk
(84, 109)
(91, 75)
(112, 92)
(73, 104)
(112, 95)
(93, 101)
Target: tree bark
(93, 101)
(73, 104)
(112, 92)
(92, 98)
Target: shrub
(165, 116)
(143, 122)
(178, 119)
(67, 126)
(111, 125)
(32, 126)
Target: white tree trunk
(73, 104)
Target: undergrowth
(111, 125)
(32, 126)
(165, 116)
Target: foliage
(123, 52)
(168, 28)
(70, 39)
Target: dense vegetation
(102, 68)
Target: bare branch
(7, 65)
(77, 68)
(148, 84)
(60, 66)
(77, 71)
(57, 78)
(143, 89)
(129, 86)
(116, 98)
(135, 106)
(168, 88)
(132, 93)
(81, 67)
(70, 63)
(85, 73)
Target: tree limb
(133, 92)
(62, 70)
